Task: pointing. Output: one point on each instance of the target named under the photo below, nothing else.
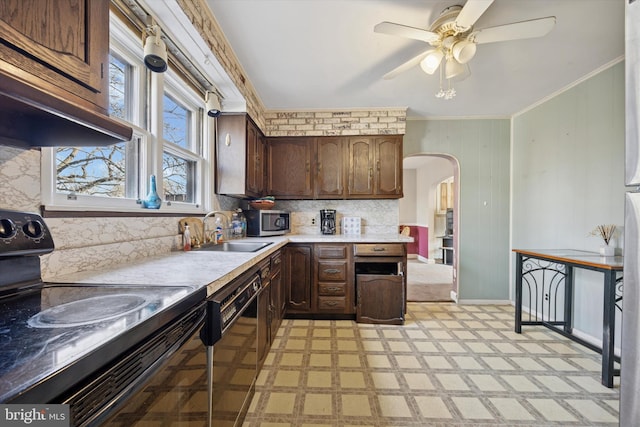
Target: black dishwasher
(380, 282)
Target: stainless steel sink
(235, 246)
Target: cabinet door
(278, 305)
(297, 276)
(239, 156)
(330, 168)
(381, 299)
(388, 173)
(264, 320)
(289, 164)
(361, 158)
(68, 39)
(255, 161)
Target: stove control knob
(33, 229)
(7, 229)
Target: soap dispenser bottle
(186, 238)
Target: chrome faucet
(211, 237)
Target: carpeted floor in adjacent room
(428, 282)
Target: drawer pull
(331, 303)
(331, 271)
(333, 289)
(376, 249)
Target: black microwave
(267, 222)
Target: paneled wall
(568, 177)
(481, 148)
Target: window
(115, 177)
(182, 159)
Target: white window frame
(176, 88)
(150, 145)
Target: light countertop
(206, 268)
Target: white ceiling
(323, 54)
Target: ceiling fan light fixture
(463, 51)
(431, 62)
(453, 68)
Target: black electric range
(54, 336)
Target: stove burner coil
(87, 311)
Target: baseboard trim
(484, 302)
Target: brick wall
(293, 123)
(330, 123)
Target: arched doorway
(427, 178)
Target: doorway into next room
(428, 212)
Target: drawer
(331, 252)
(331, 288)
(332, 270)
(378, 249)
(332, 303)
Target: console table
(548, 281)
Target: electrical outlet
(313, 221)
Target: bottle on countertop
(186, 238)
(243, 223)
(219, 233)
(236, 226)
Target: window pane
(118, 76)
(95, 171)
(176, 120)
(178, 178)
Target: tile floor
(449, 365)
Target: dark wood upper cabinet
(375, 167)
(361, 167)
(239, 156)
(330, 168)
(334, 167)
(54, 62)
(290, 168)
(388, 172)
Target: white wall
(407, 204)
(568, 165)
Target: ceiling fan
(453, 38)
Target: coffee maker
(328, 221)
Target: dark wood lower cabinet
(365, 282)
(333, 279)
(381, 299)
(297, 274)
(263, 344)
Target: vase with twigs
(606, 233)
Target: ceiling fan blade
(470, 13)
(405, 31)
(407, 65)
(517, 30)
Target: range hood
(32, 118)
